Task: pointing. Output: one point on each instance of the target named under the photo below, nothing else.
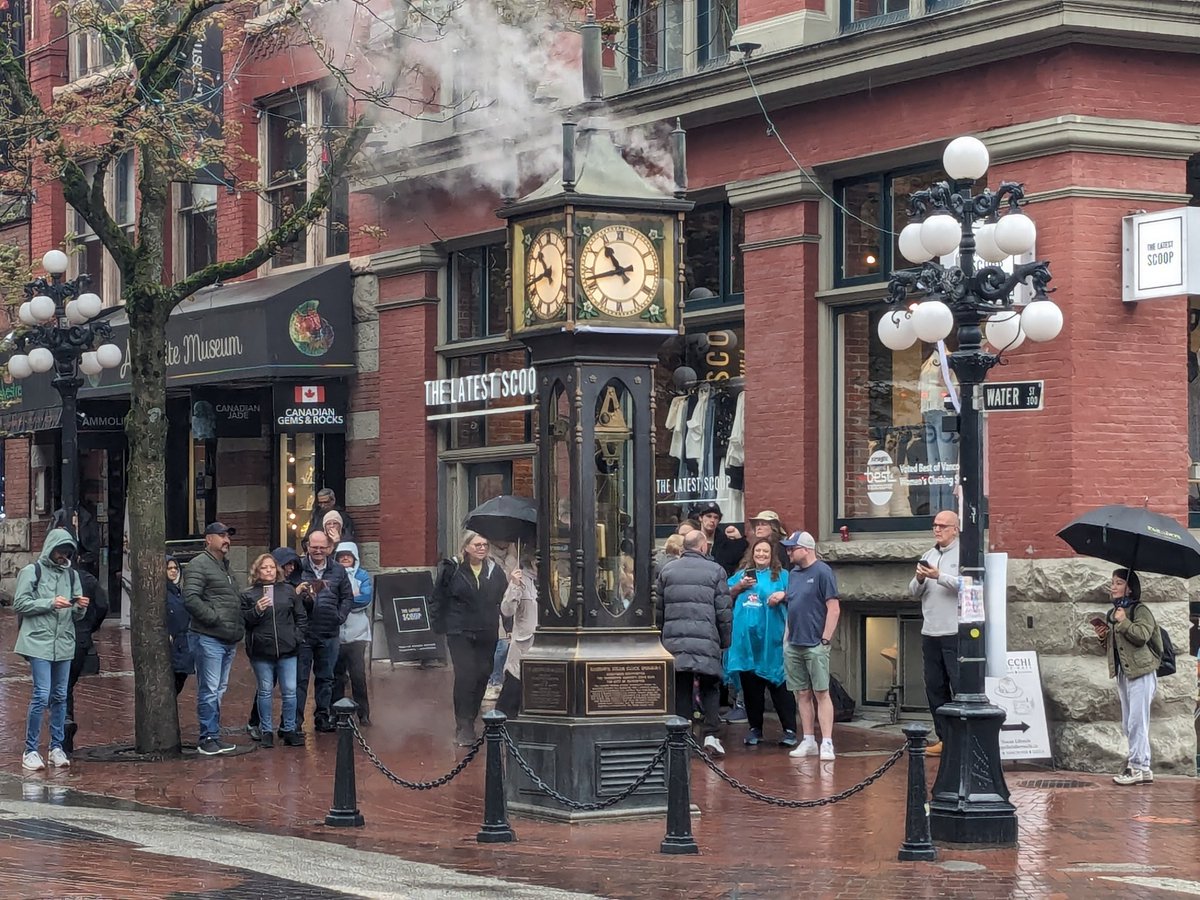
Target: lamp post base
(970, 805)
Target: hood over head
(347, 547)
(56, 537)
(285, 555)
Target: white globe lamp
(89, 305)
(1042, 320)
(1015, 234)
(19, 367)
(25, 314)
(108, 355)
(55, 262)
(896, 330)
(966, 159)
(42, 308)
(1003, 330)
(89, 364)
(41, 360)
(940, 234)
(73, 314)
(932, 321)
(985, 244)
(910, 244)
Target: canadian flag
(310, 393)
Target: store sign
(403, 604)
(306, 408)
(1160, 253)
(1024, 734)
(1012, 396)
(102, 415)
(478, 388)
(226, 414)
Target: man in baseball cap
(813, 610)
(725, 545)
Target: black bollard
(496, 829)
(679, 838)
(917, 843)
(344, 812)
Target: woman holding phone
(275, 621)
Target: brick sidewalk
(1092, 840)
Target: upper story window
(872, 210)
(92, 52)
(120, 193)
(195, 227)
(293, 159)
(478, 296)
(858, 14)
(713, 238)
(665, 37)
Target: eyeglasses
(938, 526)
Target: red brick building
(788, 254)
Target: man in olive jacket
(215, 604)
(696, 618)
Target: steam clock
(595, 264)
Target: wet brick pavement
(1092, 840)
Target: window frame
(88, 44)
(313, 100)
(452, 292)
(727, 296)
(695, 39)
(182, 230)
(108, 282)
(849, 24)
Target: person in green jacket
(49, 599)
(214, 602)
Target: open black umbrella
(505, 518)
(1136, 538)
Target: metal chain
(576, 804)
(416, 785)
(796, 804)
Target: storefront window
(713, 238)
(495, 429)
(478, 300)
(298, 465)
(699, 439)
(892, 662)
(897, 461)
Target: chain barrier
(659, 756)
(416, 785)
(796, 804)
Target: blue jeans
(49, 689)
(497, 676)
(214, 658)
(317, 656)
(270, 672)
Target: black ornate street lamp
(64, 323)
(970, 802)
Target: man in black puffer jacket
(695, 614)
(328, 598)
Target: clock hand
(617, 268)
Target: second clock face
(545, 273)
(619, 270)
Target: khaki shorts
(807, 668)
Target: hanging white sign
(1160, 251)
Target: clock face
(619, 270)
(545, 273)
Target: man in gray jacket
(696, 617)
(936, 586)
(215, 604)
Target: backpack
(843, 705)
(1165, 653)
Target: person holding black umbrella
(1130, 634)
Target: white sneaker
(808, 747)
(58, 758)
(492, 692)
(713, 746)
(32, 760)
(827, 750)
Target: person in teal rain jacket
(49, 599)
(755, 654)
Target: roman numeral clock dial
(619, 271)
(545, 274)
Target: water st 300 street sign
(1011, 396)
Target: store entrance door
(488, 480)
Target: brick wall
(751, 11)
(16, 478)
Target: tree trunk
(156, 714)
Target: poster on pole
(1024, 734)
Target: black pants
(472, 656)
(710, 699)
(180, 681)
(941, 672)
(81, 655)
(754, 690)
(352, 662)
(509, 701)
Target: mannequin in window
(941, 449)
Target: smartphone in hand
(1098, 622)
(269, 594)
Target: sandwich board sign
(1024, 734)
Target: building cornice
(406, 260)
(773, 190)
